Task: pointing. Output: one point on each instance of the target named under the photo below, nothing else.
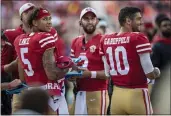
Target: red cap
(64, 62)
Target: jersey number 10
(113, 71)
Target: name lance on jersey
(24, 41)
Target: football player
(39, 61)
(11, 34)
(92, 96)
(128, 55)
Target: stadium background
(66, 13)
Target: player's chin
(139, 28)
(48, 29)
(90, 31)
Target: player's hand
(73, 75)
(157, 72)
(72, 79)
(14, 83)
(82, 69)
(75, 68)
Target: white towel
(80, 105)
(63, 107)
(59, 102)
(54, 102)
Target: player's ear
(128, 20)
(80, 23)
(97, 21)
(34, 22)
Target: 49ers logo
(92, 48)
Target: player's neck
(26, 29)
(88, 36)
(34, 29)
(124, 30)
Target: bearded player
(128, 55)
(92, 96)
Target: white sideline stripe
(47, 38)
(141, 45)
(83, 53)
(71, 54)
(51, 41)
(103, 102)
(143, 49)
(72, 50)
(147, 101)
(101, 52)
(55, 35)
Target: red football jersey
(11, 34)
(6, 54)
(59, 44)
(89, 53)
(122, 53)
(30, 49)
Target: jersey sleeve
(60, 47)
(142, 44)
(72, 54)
(54, 32)
(101, 50)
(46, 41)
(16, 43)
(10, 34)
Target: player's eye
(45, 19)
(86, 18)
(50, 18)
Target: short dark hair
(160, 18)
(35, 100)
(127, 12)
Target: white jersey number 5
(28, 71)
(119, 49)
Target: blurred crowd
(65, 18)
(65, 14)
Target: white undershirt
(106, 66)
(146, 65)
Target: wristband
(93, 74)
